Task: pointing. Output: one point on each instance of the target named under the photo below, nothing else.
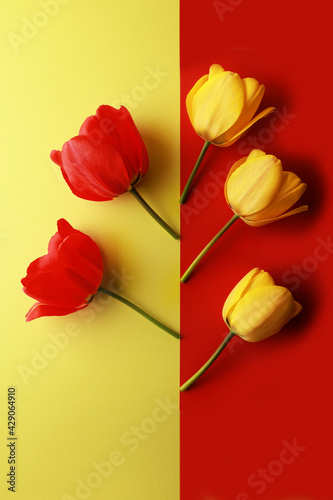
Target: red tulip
(106, 159)
(66, 279)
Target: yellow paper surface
(96, 392)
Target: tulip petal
(191, 94)
(253, 92)
(234, 167)
(253, 95)
(261, 279)
(56, 157)
(262, 312)
(296, 309)
(238, 291)
(94, 173)
(256, 278)
(81, 258)
(221, 140)
(217, 105)
(45, 264)
(65, 279)
(255, 153)
(91, 127)
(49, 262)
(53, 280)
(38, 310)
(215, 70)
(279, 207)
(253, 185)
(56, 289)
(121, 132)
(290, 191)
(65, 229)
(264, 222)
(117, 128)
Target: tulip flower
(259, 192)
(221, 107)
(254, 310)
(107, 159)
(69, 276)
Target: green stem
(140, 311)
(208, 363)
(158, 219)
(193, 173)
(207, 247)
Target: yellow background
(88, 383)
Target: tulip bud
(107, 159)
(254, 310)
(260, 192)
(257, 308)
(68, 277)
(221, 105)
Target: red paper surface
(258, 422)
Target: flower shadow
(159, 187)
(161, 161)
(276, 94)
(309, 172)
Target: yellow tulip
(260, 192)
(257, 308)
(221, 107)
(254, 310)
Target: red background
(256, 397)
